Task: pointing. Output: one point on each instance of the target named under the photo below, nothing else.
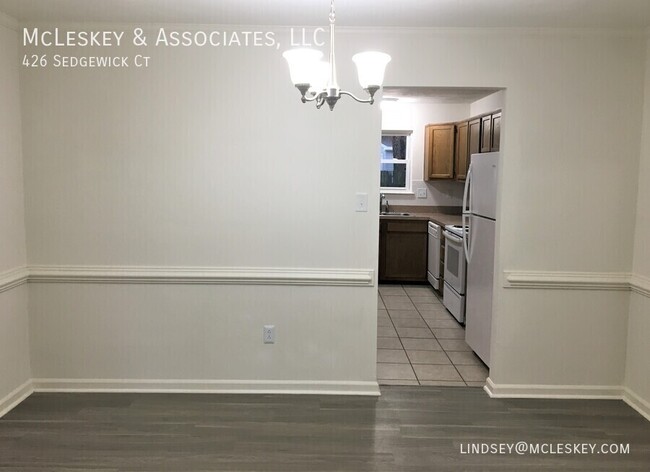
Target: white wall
(207, 159)
(415, 116)
(14, 341)
(199, 161)
(637, 377)
(557, 173)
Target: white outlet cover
(422, 192)
(268, 334)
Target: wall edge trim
(15, 397)
(201, 275)
(13, 278)
(290, 387)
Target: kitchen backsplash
(438, 193)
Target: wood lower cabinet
(462, 150)
(403, 246)
(439, 151)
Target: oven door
(455, 262)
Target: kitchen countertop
(433, 214)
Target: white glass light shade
(371, 67)
(302, 63)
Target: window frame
(408, 188)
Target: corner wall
(14, 339)
(196, 164)
(637, 375)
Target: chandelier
(316, 79)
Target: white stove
(457, 229)
(453, 295)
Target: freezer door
(478, 292)
(483, 190)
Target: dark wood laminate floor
(406, 429)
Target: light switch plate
(422, 192)
(361, 202)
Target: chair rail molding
(573, 280)
(201, 275)
(640, 285)
(13, 278)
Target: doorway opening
(440, 152)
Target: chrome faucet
(383, 203)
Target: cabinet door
(382, 249)
(474, 139)
(496, 131)
(462, 150)
(486, 133)
(405, 251)
(439, 151)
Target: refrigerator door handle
(466, 235)
(467, 210)
(467, 203)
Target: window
(395, 161)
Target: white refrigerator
(479, 215)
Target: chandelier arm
(370, 100)
(315, 97)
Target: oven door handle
(452, 237)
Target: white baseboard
(207, 386)
(14, 398)
(636, 402)
(602, 392)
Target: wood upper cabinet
(462, 150)
(486, 133)
(448, 148)
(403, 246)
(474, 138)
(439, 151)
(496, 132)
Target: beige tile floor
(420, 343)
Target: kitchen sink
(394, 213)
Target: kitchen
(435, 328)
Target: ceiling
(619, 14)
(438, 95)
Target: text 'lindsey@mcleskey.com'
(528, 448)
